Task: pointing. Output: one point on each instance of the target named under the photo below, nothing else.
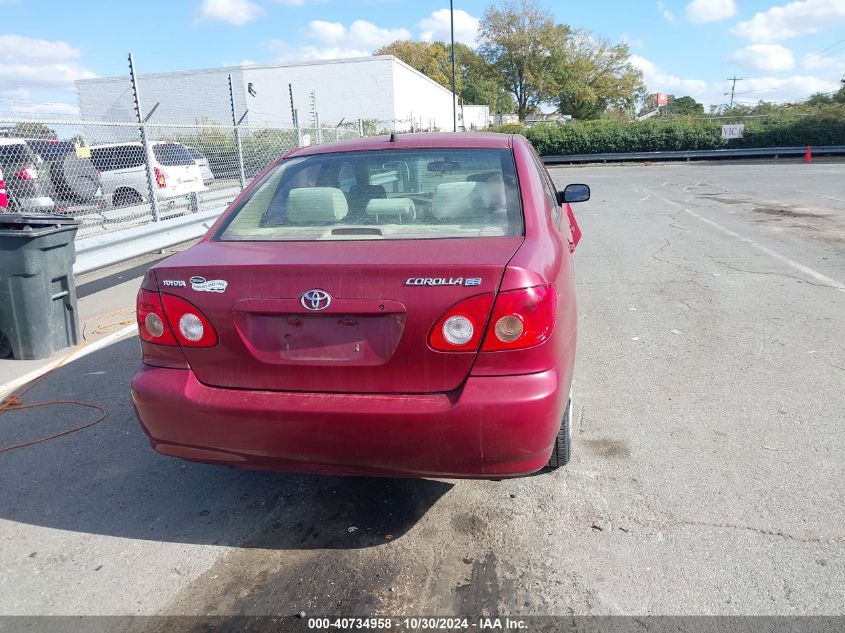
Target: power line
(834, 45)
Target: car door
(569, 229)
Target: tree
(595, 76)
(523, 43)
(32, 129)
(475, 81)
(685, 106)
(432, 59)
(479, 83)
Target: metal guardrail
(99, 251)
(703, 154)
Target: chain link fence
(102, 174)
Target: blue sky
(783, 50)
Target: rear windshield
(195, 153)
(395, 194)
(172, 154)
(15, 154)
(51, 150)
(110, 158)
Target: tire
(75, 178)
(5, 346)
(126, 198)
(562, 451)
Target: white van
(124, 177)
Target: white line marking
(90, 348)
(765, 249)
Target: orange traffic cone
(808, 155)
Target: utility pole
(734, 79)
(454, 97)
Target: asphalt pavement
(707, 475)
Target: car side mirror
(574, 193)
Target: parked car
(390, 306)
(27, 187)
(123, 172)
(74, 182)
(202, 162)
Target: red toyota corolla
(398, 306)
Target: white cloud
(765, 57)
(436, 27)
(43, 110)
(284, 52)
(336, 41)
(359, 35)
(819, 61)
(632, 42)
(326, 32)
(235, 12)
(16, 93)
(710, 10)
(27, 63)
(791, 20)
(659, 81)
(29, 50)
(666, 13)
(791, 88)
(244, 62)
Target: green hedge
(653, 135)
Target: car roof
(12, 141)
(419, 140)
(133, 143)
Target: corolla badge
(201, 284)
(315, 300)
(443, 281)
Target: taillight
(191, 327)
(461, 327)
(152, 323)
(161, 181)
(521, 318)
(166, 319)
(27, 173)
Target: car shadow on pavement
(107, 480)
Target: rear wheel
(127, 197)
(562, 450)
(5, 346)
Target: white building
(473, 117)
(381, 88)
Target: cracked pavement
(707, 474)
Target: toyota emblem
(315, 300)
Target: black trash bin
(37, 295)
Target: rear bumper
(492, 427)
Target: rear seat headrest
(391, 206)
(454, 200)
(316, 204)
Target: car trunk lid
(375, 300)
